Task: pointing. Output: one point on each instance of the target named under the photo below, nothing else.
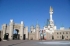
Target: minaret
(51, 12)
(51, 22)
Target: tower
(21, 30)
(37, 31)
(50, 27)
(11, 29)
(4, 30)
(51, 20)
(32, 29)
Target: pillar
(11, 27)
(26, 32)
(32, 29)
(21, 30)
(37, 32)
(4, 30)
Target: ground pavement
(34, 43)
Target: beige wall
(57, 35)
(31, 36)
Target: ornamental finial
(51, 9)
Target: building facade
(49, 32)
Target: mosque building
(50, 31)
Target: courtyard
(34, 43)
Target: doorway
(52, 37)
(62, 37)
(6, 36)
(16, 36)
(24, 36)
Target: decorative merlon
(21, 22)
(11, 20)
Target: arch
(16, 35)
(6, 36)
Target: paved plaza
(34, 43)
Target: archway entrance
(43, 35)
(6, 36)
(16, 36)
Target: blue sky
(31, 10)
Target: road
(34, 43)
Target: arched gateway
(7, 31)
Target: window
(60, 36)
(60, 32)
(66, 32)
(57, 32)
(31, 31)
(67, 36)
(69, 32)
(50, 26)
(63, 32)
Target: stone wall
(59, 35)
